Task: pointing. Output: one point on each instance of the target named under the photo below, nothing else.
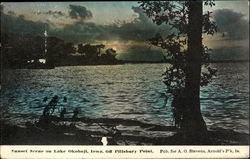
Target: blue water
(131, 91)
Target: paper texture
(125, 79)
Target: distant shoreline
(211, 61)
(122, 62)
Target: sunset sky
(82, 22)
(103, 12)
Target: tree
(110, 54)
(80, 49)
(185, 49)
(58, 49)
(68, 49)
(90, 51)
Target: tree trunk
(192, 118)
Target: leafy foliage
(175, 14)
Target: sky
(105, 12)
(122, 25)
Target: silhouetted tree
(109, 55)
(81, 49)
(19, 49)
(111, 52)
(58, 49)
(90, 51)
(184, 47)
(69, 49)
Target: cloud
(18, 25)
(142, 16)
(78, 30)
(11, 13)
(232, 23)
(56, 14)
(79, 12)
(139, 29)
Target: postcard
(125, 79)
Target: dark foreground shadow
(70, 135)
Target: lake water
(130, 91)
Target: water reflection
(127, 91)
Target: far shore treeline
(25, 51)
(21, 51)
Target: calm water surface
(131, 91)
